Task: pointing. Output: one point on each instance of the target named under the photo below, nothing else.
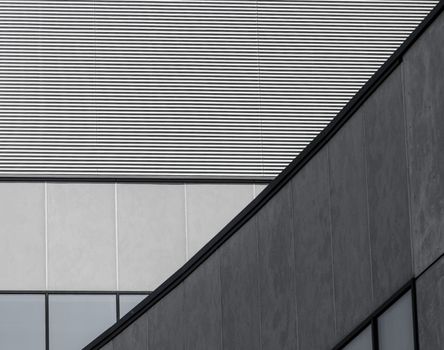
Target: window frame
(47, 293)
(372, 320)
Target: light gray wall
(107, 236)
(363, 217)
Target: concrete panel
(203, 309)
(277, 273)
(424, 105)
(430, 304)
(108, 346)
(151, 231)
(313, 256)
(166, 328)
(240, 286)
(81, 236)
(134, 337)
(22, 236)
(349, 221)
(389, 221)
(210, 208)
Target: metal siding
(182, 88)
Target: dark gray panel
(134, 337)
(203, 309)
(389, 221)
(108, 346)
(314, 275)
(351, 244)
(240, 297)
(277, 274)
(430, 303)
(166, 322)
(424, 87)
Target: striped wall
(183, 89)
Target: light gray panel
(363, 341)
(128, 302)
(22, 322)
(424, 89)
(389, 221)
(134, 337)
(151, 231)
(22, 236)
(210, 208)
(81, 236)
(240, 286)
(75, 320)
(203, 308)
(430, 306)
(277, 273)
(395, 326)
(351, 244)
(313, 256)
(258, 188)
(166, 328)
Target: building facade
(343, 250)
(132, 132)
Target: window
(391, 327)
(395, 325)
(22, 321)
(363, 341)
(75, 320)
(128, 301)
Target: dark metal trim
(280, 181)
(163, 180)
(415, 316)
(46, 322)
(74, 292)
(375, 334)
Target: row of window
(391, 330)
(72, 321)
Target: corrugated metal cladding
(182, 88)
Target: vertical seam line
(408, 169)
(364, 146)
(219, 255)
(331, 238)
(185, 199)
(46, 235)
(293, 219)
(259, 295)
(116, 234)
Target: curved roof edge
(281, 180)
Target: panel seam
(185, 200)
(408, 168)
(116, 234)
(364, 148)
(46, 235)
(293, 219)
(331, 239)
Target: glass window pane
(363, 341)
(128, 301)
(395, 326)
(22, 322)
(75, 320)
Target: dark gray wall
(364, 216)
